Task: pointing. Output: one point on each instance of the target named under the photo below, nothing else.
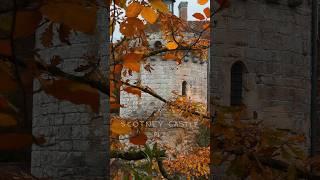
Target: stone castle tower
(262, 56)
(189, 78)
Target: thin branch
(162, 169)
(131, 155)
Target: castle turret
(183, 10)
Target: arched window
(184, 88)
(236, 94)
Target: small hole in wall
(184, 88)
(255, 115)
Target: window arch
(184, 88)
(237, 78)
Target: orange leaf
(172, 45)
(139, 139)
(115, 106)
(198, 16)
(119, 127)
(131, 27)
(7, 120)
(149, 15)
(159, 5)
(26, 23)
(118, 69)
(169, 56)
(205, 26)
(7, 79)
(202, 2)
(72, 91)
(76, 16)
(133, 9)
(207, 12)
(132, 61)
(5, 47)
(15, 141)
(133, 90)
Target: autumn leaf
(115, 106)
(133, 9)
(131, 27)
(207, 12)
(118, 68)
(149, 15)
(119, 127)
(15, 141)
(198, 16)
(172, 45)
(132, 61)
(202, 2)
(139, 139)
(5, 47)
(159, 5)
(133, 90)
(76, 16)
(206, 26)
(7, 79)
(26, 23)
(72, 91)
(120, 3)
(47, 36)
(7, 120)
(169, 56)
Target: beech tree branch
(131, 155)
(162, 170)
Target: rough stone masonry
(79, 137)
(273, 41)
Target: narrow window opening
(236, 93)
(184, 88)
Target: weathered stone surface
(276, 51)
(166, 77)
(78, 145)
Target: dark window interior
(236, 83)
(184, 88)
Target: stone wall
(78, 136)
(166, 77)
(273, 41)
